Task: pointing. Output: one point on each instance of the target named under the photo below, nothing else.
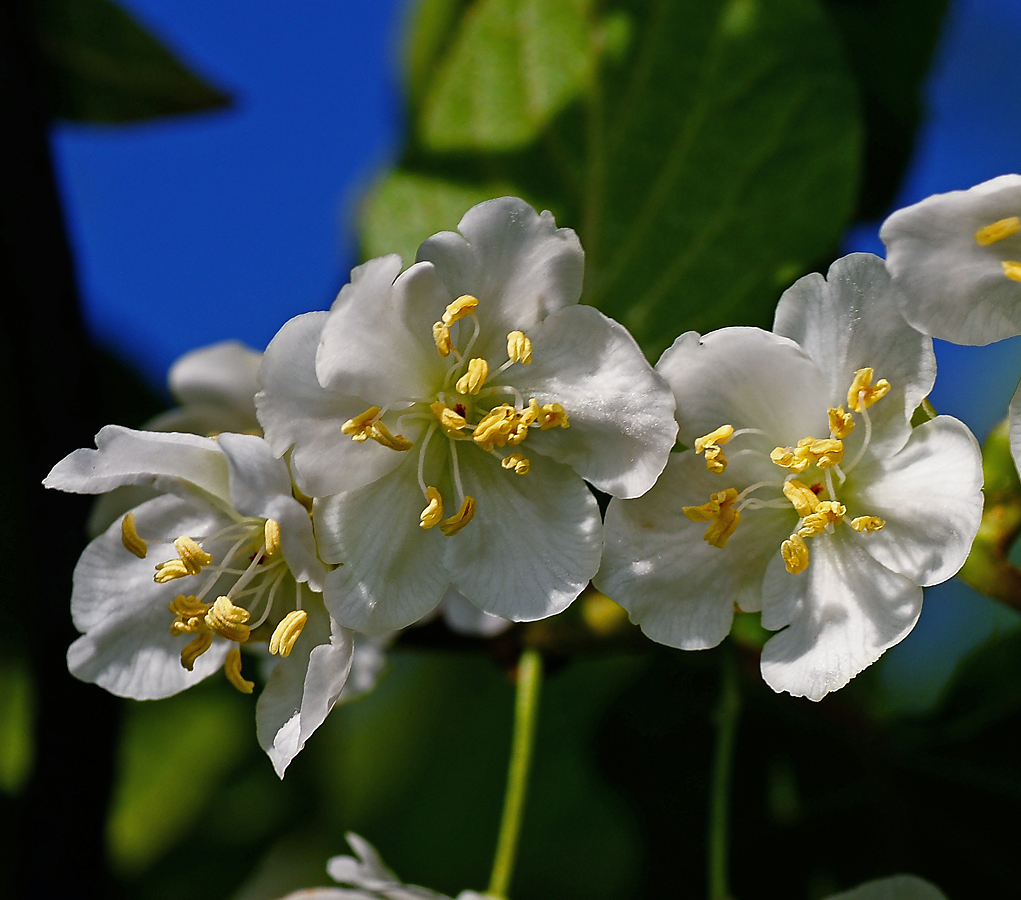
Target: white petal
(169, 463)
(952, 288)
(1014, 418)
(367, 665)
(929, 494)
(657, 565)
(850, 320)
(896, 887)
(747, 378)
(839, 616)
(206, 420)
(369, 873)
(392, 570)
(304, 687)
(295, 410)
(534, 542)
(519, 265)
(113, 504)
(621, 412)
(222, 375)
(377, 342)
(127, 647)
(464, 617)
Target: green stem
(526, 707)
(727, 713)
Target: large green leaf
(103, 66)
(513, 64)
(712, 160)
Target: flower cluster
(432, 442)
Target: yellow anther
(495, 427)
(827, 452)
(169, 570)
(191, 554)
(433, 512)
(711, 445)
(710, 511)
(359, 426)
(232, 669)
(1004, 228)
(228, 620)
(841, 422)
(441, 334)
(516, 461)
(864, 390)
(801, 496)
(271, 534)
(472, 380)
(786, 457)
(527, 416)
(868, 523)
(190, 615)
(381, 435)
(552, 415)
(823, 453)
(130, 539)
(1012, 269)
(287, 632)
(195, 648)
(519, 348)
(464, 515)
(826, 513)
(461, 307)
(451, 422)
(795, 554)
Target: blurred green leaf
(106, 67)
(16, 720)
(512, 66)
(712, 161)
(430, 27)
(174, 753)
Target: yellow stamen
(1004, 228)
(287, 632)
(801, 496)
(472, 380)
(841, 422)
(381, 435)
(519, 348)
(721, 515)
(190, 615)
(441, 334)
(711, 445)
(451, 422)
(358, 427)
(169, 570)
(719, 532)
(826, 513)
(461, 307)
(516, 461)
(130, 539)
(795, 554)
(868, 523)
(863, 384)
(552, 415)
(1012, 269)
(192, 555)
(195, 648)
(228, 620)
(432, 514)
(464, 515)
(823, 453)
(272, 536)
(707, 512)
(495, 427)
(232, 669)
(527, 416)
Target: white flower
(896, 887)
(807, 495)
(224, 557)
(957, 259)
(366, 877)
(444, 419)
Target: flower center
(254, 566)
(472, 408)
(998, 231)
(824, 455)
